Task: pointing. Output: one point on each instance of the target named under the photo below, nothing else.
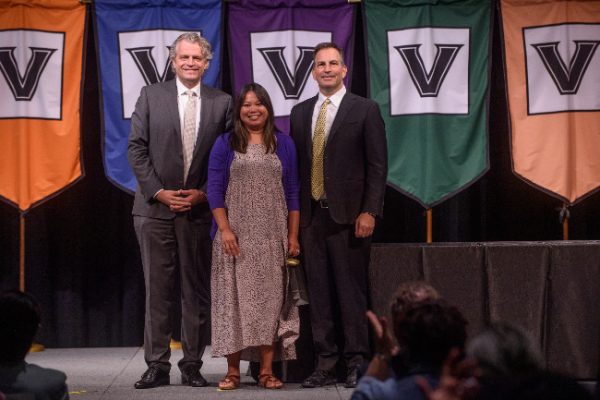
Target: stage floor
(109, 373)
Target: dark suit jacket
(355, 159)
(155, 152)
(31, 381)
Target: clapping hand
(384, 346)
(457, 380)
(384, 342)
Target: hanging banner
(41, 47)
(429, 66)
(133, 49)
(553, 84)
(272, 44)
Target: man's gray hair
(192, 37)
(505, 350)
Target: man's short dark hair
(328, 45)
(19, 322)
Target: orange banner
(553, 85)
(41, 46)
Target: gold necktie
(188, 136)
(318, 148)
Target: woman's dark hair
(239, 136)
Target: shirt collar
(335, 99)
(181, 88)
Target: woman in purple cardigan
(253, 192)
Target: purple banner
(272, 43)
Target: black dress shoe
(351, 378)
(319, 378)
(191, 376)
(153, 377)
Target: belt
(320, 203)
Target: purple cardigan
(219, 163)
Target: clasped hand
(181, 200)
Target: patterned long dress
(249, 291)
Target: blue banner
(133, 49)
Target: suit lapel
(173, 107)
(307, 114)
(206, 113)
(345, 106)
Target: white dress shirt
(332, 109)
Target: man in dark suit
(342, 154)
(173, 128)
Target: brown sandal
(269, 381)
(230, 382)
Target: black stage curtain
(548, 288)
(82, 259)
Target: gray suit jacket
(355, 159)
(155, 152)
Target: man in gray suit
(342, 157)
(173, 128)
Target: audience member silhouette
(504, 351)
(503, 363)
(386, 348)
(425, 331)
(19, 322)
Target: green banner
(429, 64)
